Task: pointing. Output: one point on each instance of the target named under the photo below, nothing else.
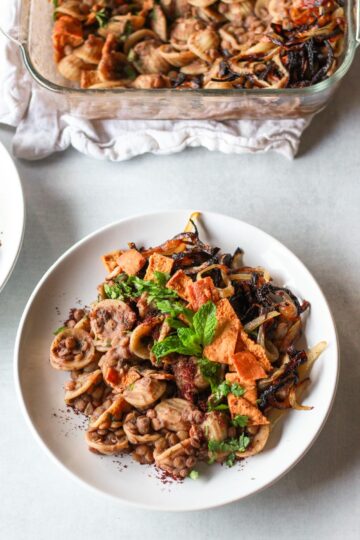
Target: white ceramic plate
(12, 216)
(75, 276)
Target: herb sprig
(102, 17)
(188, 340)
(130, 287)
(220, 392)
(235, 444)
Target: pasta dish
(188, 355)
(191, 44)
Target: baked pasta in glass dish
(192, 44)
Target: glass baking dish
(33, 35)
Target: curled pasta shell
(165, 459)
(82, 384)
(261, 9)
(171, 413)
(203, 43)
(182, 30)
(144, 392)
(210, 15)
(71, 67)
(90, 52)
(158, 22)
(201, 3)
(111, 411)
(198, 67)
(109, 319)
(176, 58)
(71, 8)
(72, 349)
(147, 59)
(117, 373)
(109, 444)
(218, 85)
(135, 37)
(143, 332)
(152, 80)
(215, 426)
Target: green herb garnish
(221, 391)
(210, 371)
(189, 340)
(240, 420)
(129, 287)
(102, 17)
(59, 330)
(194, 475)
(230, 460)
(230, 445)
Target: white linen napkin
(43, 126)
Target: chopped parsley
(211, 371)
(221, 391)
(59, 330)
(240, 420)
(230, 445)
(194, 475)
(230, 460)
(128, 287)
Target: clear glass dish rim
(352, 43)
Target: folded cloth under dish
(43, 126)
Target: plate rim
(118, 499)
(17, 178)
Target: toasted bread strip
(249, 387)
(241, 406)
(110, 260)
(245, 343)
(223, 345)
(158, 263)
(247, 366)
(180, 283)
(131, 262)
(202, 291)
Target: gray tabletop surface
(312, 205)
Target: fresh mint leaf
(240, 420)
(205, 323)
(175, 308)
(169, 345)
(190, 340)
(175, 323)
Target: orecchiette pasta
(187, 355)
(175, 43)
